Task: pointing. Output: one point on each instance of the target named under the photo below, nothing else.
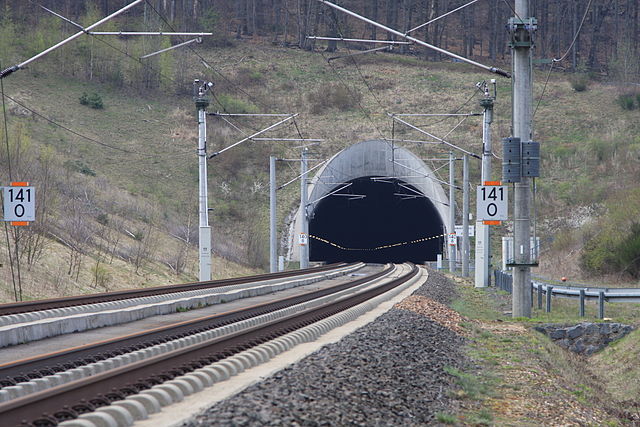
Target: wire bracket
(522, 32)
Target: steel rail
(68, 400)
(38, 366)
(48, 304)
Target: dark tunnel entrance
(389, 213)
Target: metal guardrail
(504, 281)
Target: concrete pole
(304, 245)
(273, 241)
(522, 109)
(204, 236)
(452, 211)
(483, 232)
(465, 216)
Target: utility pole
(204, 236)
(522, 28)
(483, 231)
(465, 215)
(273, 248)
(304, 237)
(452, 213)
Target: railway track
(72, 301)
(134, 371)
(66, 315)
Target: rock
(584, 338)
(575, 332)
(558, 334)
(389, 372)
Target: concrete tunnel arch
(403, 201)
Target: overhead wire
(208, 65)
(355, 63)
(53, 122)
(554, 60)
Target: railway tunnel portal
(375, 203)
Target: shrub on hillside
(626, 101)
(579, 82)
(230, 104)
(249, 76)
(615, 247)
(94, 100)
(617, 254)
(333, 96)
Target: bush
(626, 101)
(615, 248)
(79, 166)
(579, 82)
(249, 76)
(333, 96)
(94, 100)
(236, 106)
(614, 254)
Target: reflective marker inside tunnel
(389, 213)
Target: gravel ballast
(389, 372)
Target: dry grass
(530, 381)
(162, 126)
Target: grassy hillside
(147, 195)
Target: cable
(6, 227)
(206, 63)
(353, 59)
(88, 138)
(554, 60)
(544, 88)
(575, 38)
(6, 130)
(512, 9)
(464, 104)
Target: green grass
(471, 386)
(501, 356)
(446, 418)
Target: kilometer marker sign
(19, 203)
(492, 202)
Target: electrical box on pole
(511, 160)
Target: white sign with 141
(19, 203)
(492, 203)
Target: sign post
(492, 203)
(19, 203)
